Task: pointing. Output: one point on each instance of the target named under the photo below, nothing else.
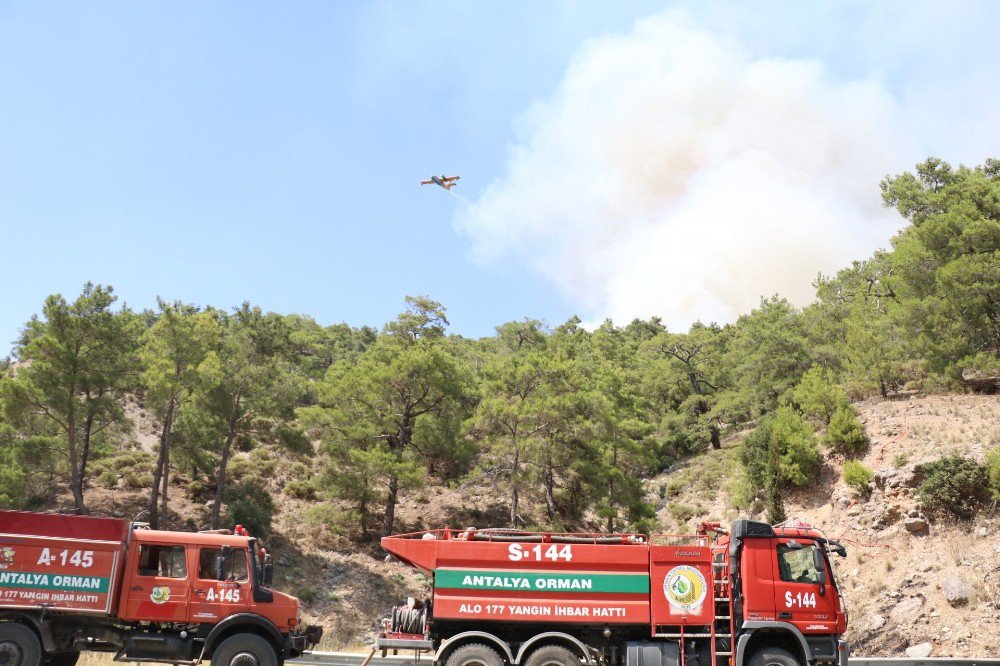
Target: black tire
(553, 655)
(474, 654)
(19, 645)
(62, 659)
(244, 650)
(772, 656)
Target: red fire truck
(755, 594)
(72, 583)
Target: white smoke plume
(671, 174)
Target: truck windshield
(236, 564)
(796, 565)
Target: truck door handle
(136, 588)
(200, 592)
(784, 616)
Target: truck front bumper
(296, 643)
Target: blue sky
(216, 153)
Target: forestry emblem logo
(685, 588)
(6, 557)
(160, 595)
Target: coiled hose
(409, 619)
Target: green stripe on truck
(541, 582)
(63, 582)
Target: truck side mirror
(820, 570)
(818, 560)
(220, 563)
(268, 572)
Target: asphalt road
(355, 659)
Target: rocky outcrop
(891, 478)
(907, 609)
(919, 651)
(956, 590)
(916, 525)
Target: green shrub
(846, 433)
(195, 489)
(708, 487)
(781, 450)
(742, 493)
(673, 487)
(937, 383)
(109, 479)
(983, 368)
(305, 490)
(262, 462)
(857, 476)
(800, 454)
(900, 460)
(955, 485)
(993, 472)
(138, 480)
(240, 469)
(329, 517)
(299, 471)
(260, 455)
(817, 395)
(133, 461)
(683, 513)
(15, 483)
(250, 504)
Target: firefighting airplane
(447, 182)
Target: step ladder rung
(683, 635)
(722, 598)
(723, 654)
(723, 617)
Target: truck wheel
(62, 659)
(244, 650)
(474, 654)
(771, 656)
(19, 645)
(553, 655)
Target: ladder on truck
(721, 632)
(724, 628)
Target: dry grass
(990, 589)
